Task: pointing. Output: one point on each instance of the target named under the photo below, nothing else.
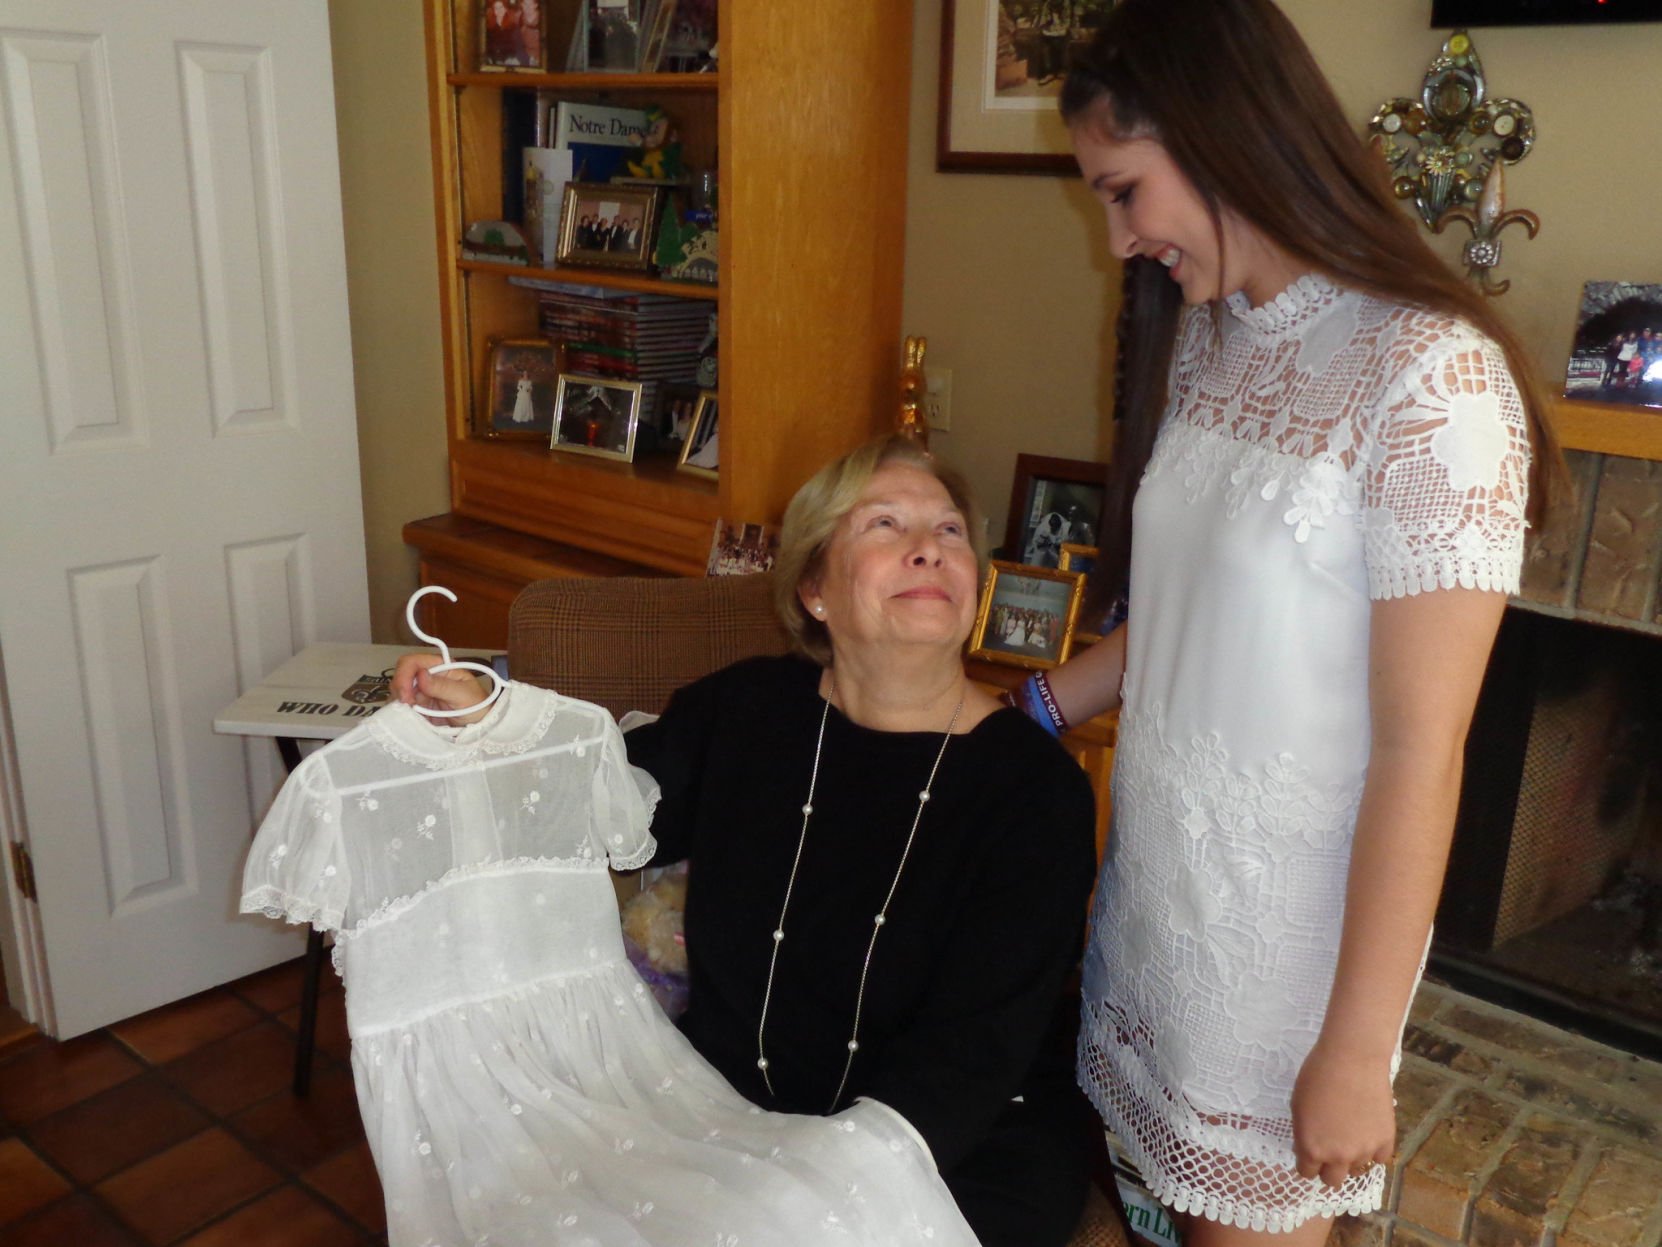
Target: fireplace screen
(1554, 897)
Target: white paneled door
(179, 499)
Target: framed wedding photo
(701, 452)
(1002, 66)
(510, 35)
(596, 415)
(1053, 501)
(1026, 615)
(604, 225)
(520, 379)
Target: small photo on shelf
(678, 404)
(1026, 616)
(596, 415)
(510, 35)
(1053, 501)
(1617, 355)
(742, 549)
(615, 36)
(701, 452)
(656, 23)
(606, 226)
(521, 375)
(690, 44)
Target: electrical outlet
(937, 398)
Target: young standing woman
(1323, 468)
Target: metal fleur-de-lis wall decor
(1447, 148)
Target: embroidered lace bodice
(1320, 452)
(517, 1081)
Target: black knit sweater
(983, 931)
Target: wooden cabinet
(806, 121)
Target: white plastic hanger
(447, 664)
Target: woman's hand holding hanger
(415, 684)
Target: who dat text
(325, 707)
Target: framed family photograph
(701, 452)
(596, 415)
(1002, 66)
(520, 381)
(1052, 502)
(1026, 615)
(510, 35)
(603, 225)
(1617, 353)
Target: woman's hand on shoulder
(415, 684)
(1344, 1118)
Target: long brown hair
(1231, 92)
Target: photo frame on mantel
(1002, 65)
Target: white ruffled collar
(1288, 311)
(519, 719)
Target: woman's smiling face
(901, 567)
(1154, 210)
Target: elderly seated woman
(888, 867)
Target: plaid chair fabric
(627, 643)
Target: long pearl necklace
(878, 920)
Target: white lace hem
(285, 906)
(1133, 1106)
(1499, 572)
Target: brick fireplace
(1554, 900)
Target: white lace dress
(1317, 453)
(518, 1083)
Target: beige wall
(392, 284)
(1009, 278)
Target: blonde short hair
(818, 508)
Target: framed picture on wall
(1026, 615)
(1052, 502)
(1002, 65)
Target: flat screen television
(1542, 12)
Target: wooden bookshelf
(807, 120)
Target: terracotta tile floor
(178, 1127)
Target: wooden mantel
(1609, 428)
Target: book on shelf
(600, 137)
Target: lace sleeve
(296, 868)
(622, 805)
(1446, 477)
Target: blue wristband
(1035, 700)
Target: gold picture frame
(701, 452)
(596, 416)
(521, 375)
(607, 225)
(1026, 615)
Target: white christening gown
(518, 1083)
(1317, 453)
